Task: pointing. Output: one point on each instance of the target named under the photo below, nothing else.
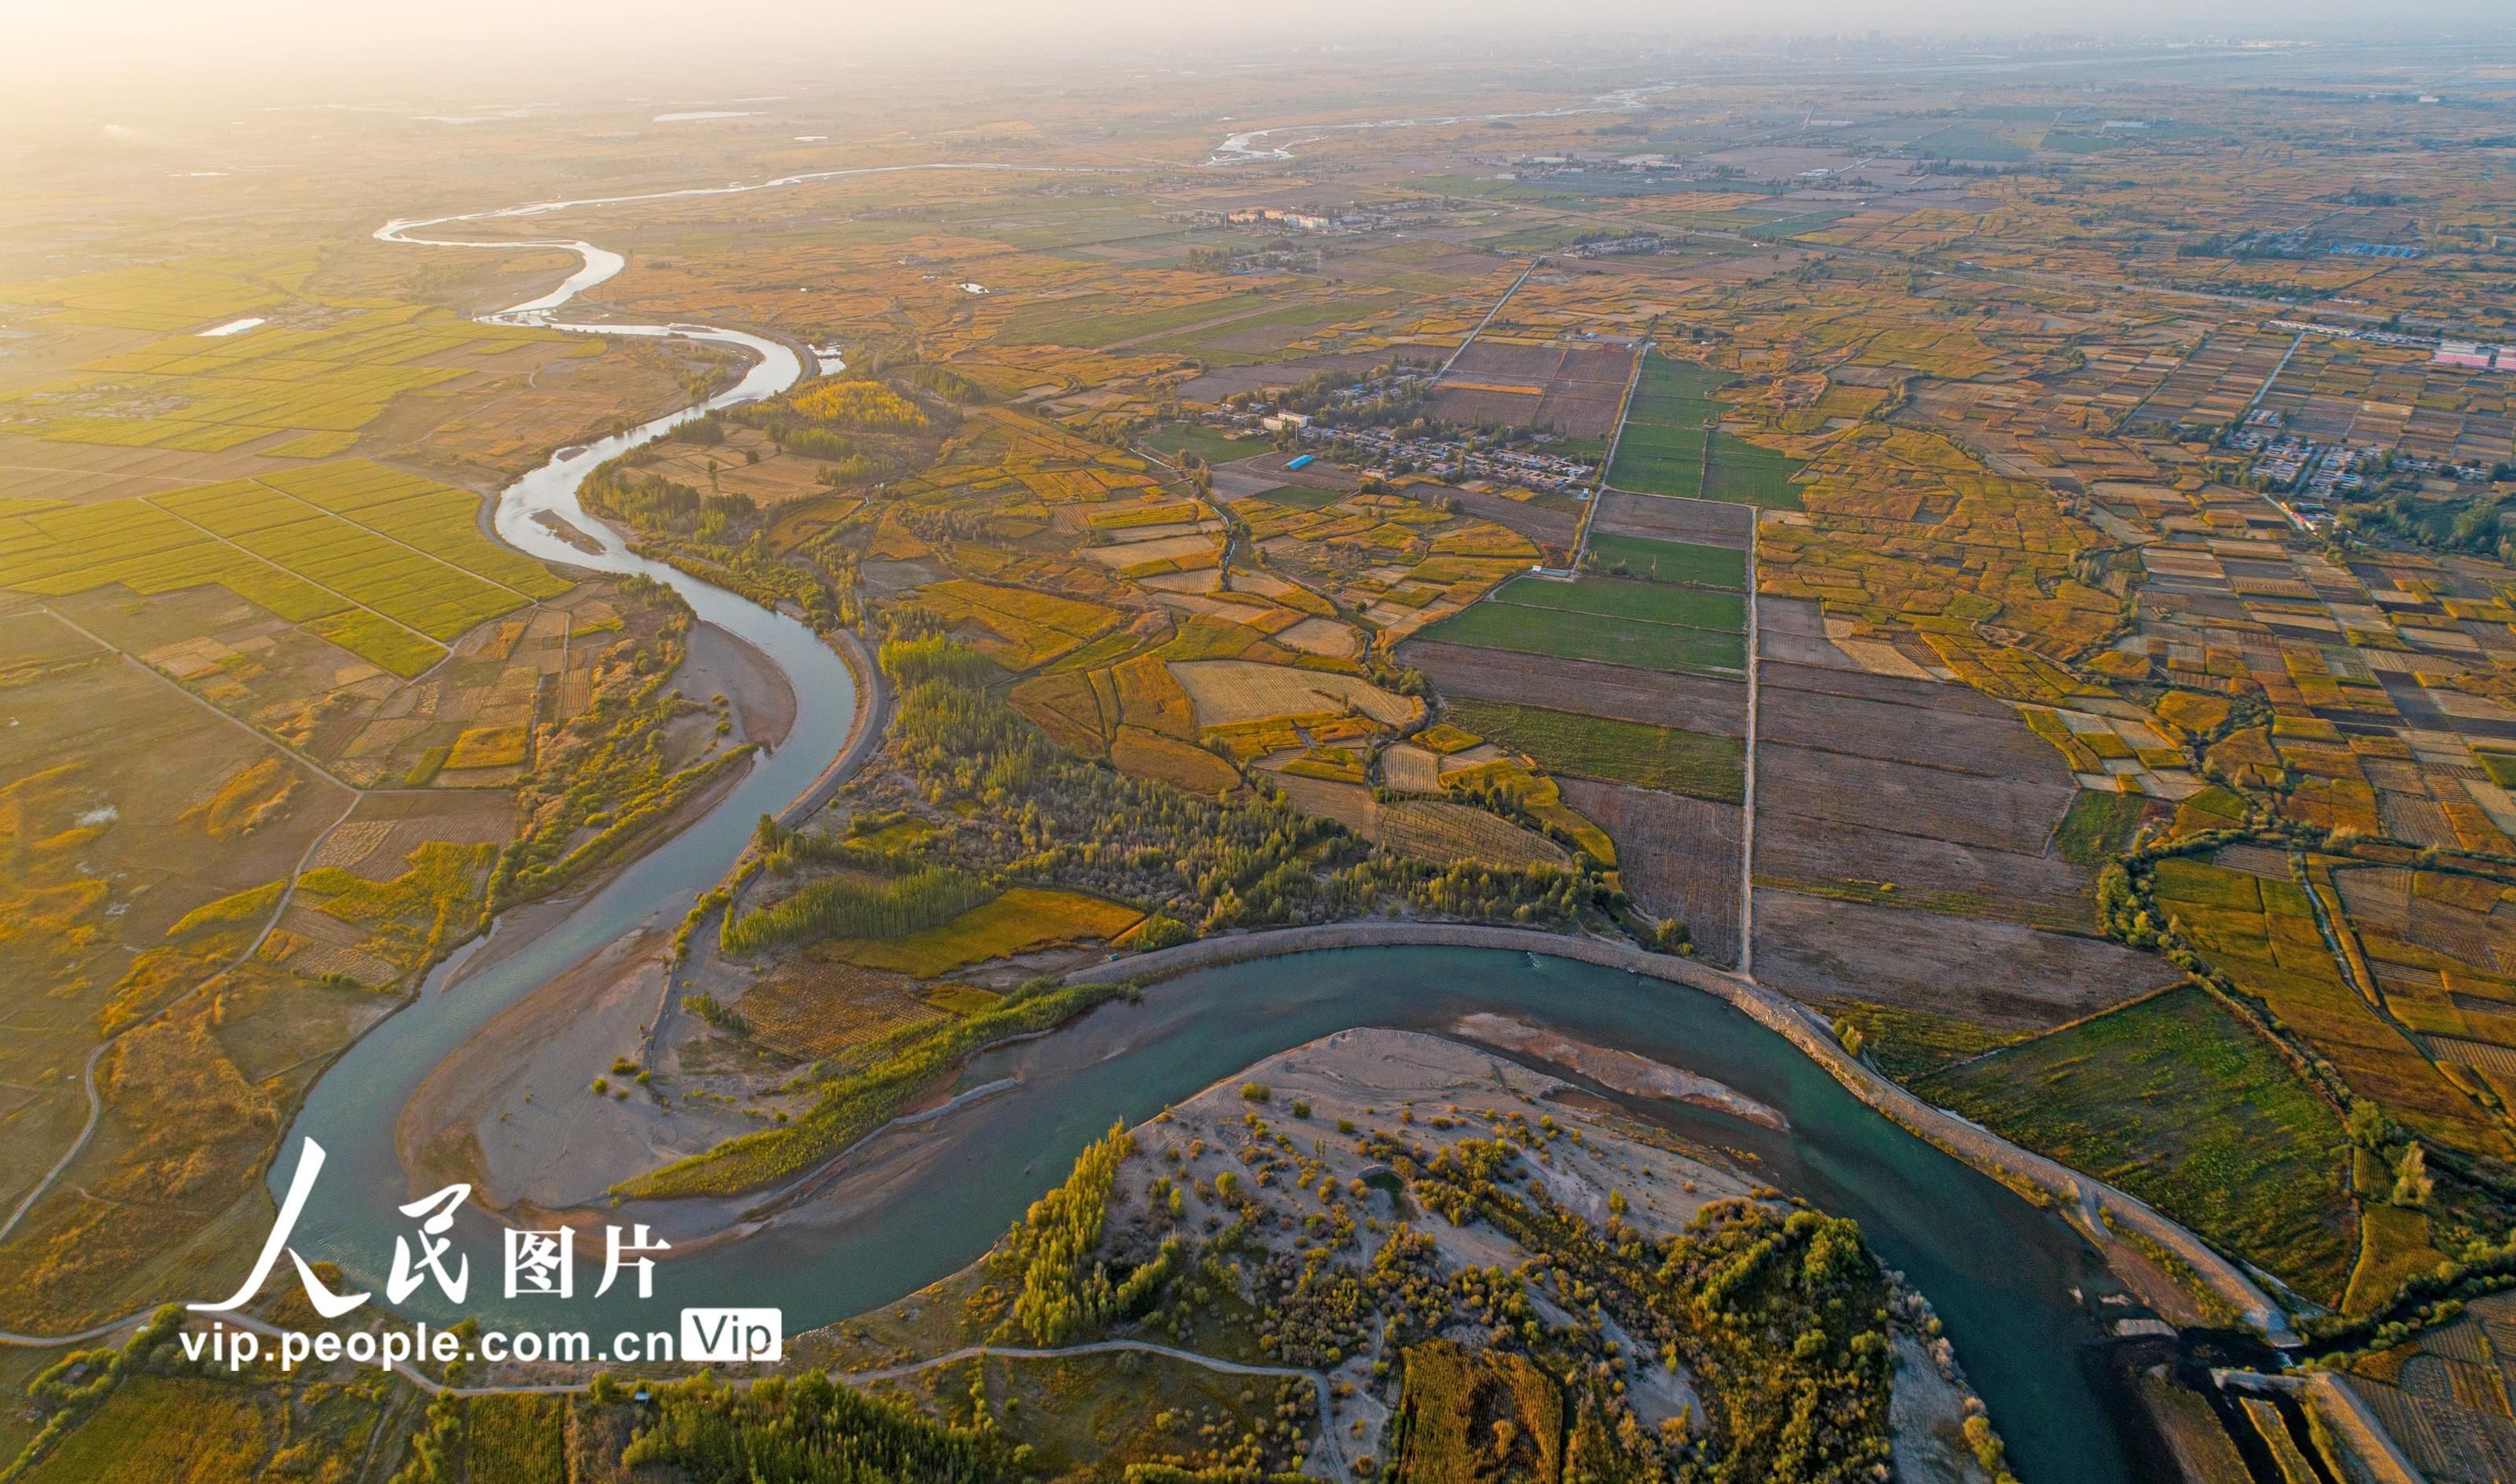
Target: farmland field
(1649, 602)
(1091, 321)
(1301, 496)
(1590, 637)
(1572, 389)
(1620, 752)
(1997, 974)
(1708, 567)
(159, 1429)
(1660, 450)
(817, 1007)
(1677, 856)
(1226, 691)
(1208, 443)
(1742, 474)
(1441, 832)
(388, 566)
(188, 394)
(1669, 518)
(1695, 702)
(2262, 932)
(1672, 444)
(2175, 1101)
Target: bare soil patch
(1677, 856)
(1695, 702)
(1671, 517)
(1907, 798)
(1994, 974)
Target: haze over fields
(119, 52)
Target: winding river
(2021, 1293)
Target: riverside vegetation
(993, 808)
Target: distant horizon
(137, 52)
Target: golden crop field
(333, 374)
(386, 565)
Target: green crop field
(386, 565)
(435, 518)
(1793, 226)
(1651, 602)
(1088, 322)
(1703, 566)
(1742, 474)
(1300, 496)
(1208, 443)
(1669, 446)
(1571, 635)
(1660, 450)
(2176, 1102)
(195, 395)
(2098, 826)
(1665, 757)
(1968, 141)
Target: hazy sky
(99, 43)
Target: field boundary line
(239, 722)
(2265, 389)
(1599, 487)
(526, 598)
(1747, 803)
(300, 576)
(1534, 265)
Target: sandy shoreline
(1623, 1071)
(512, 1112)
(718, 662)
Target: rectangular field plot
(1301, 496)
(1660, 450)
(1671, 445)
(1660, 461)
(71, 548)
(437, 518)
(1677, 857)
(1592, 637)
(1742, 474)
(1703, 566)
(1692, 702)
(1666, 518)
(1689, 762)
(1993, 973)
(1572, 389)
(1857, 862)
(1651, 602)
(1928, 723)
(1852, 793)
(1655, 626)
(403, 583)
